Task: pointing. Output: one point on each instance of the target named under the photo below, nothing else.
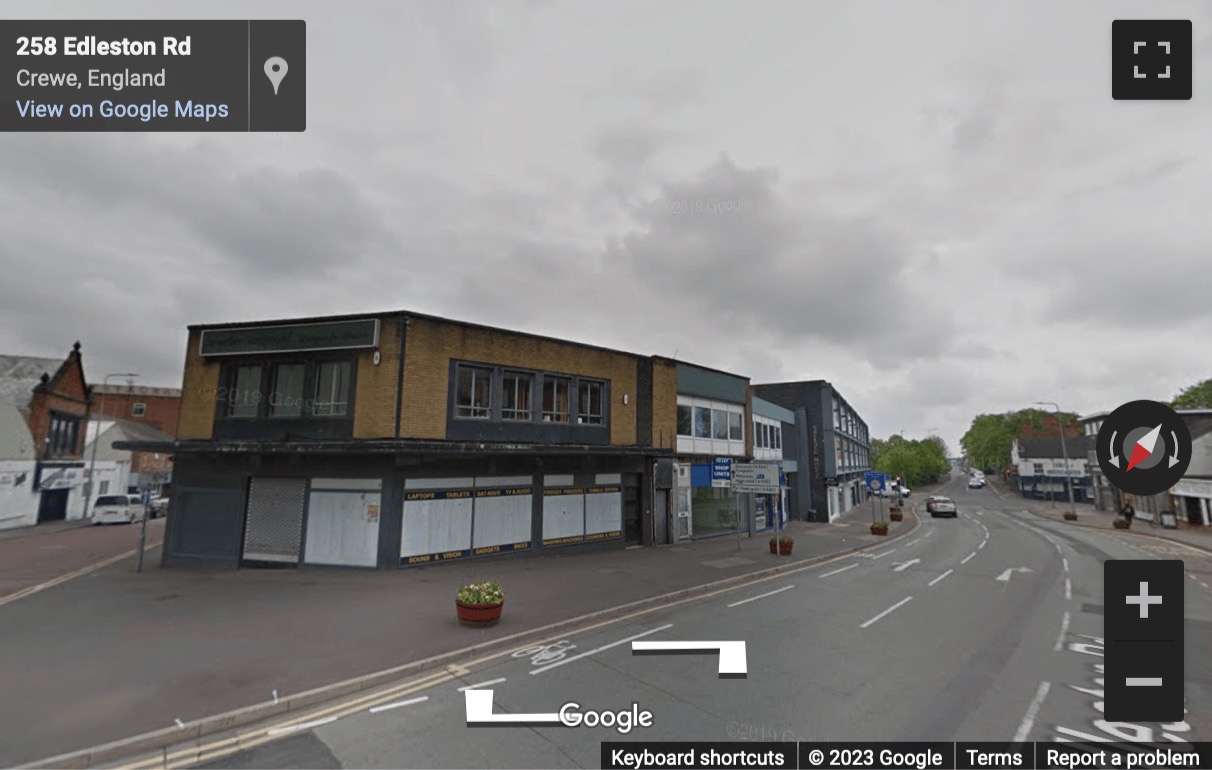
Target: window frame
(271, 408)
(260, 395)
(512, 413)
(553, 416)
(689, 421)
(474, 369)
(316, 373)
(138, 409)
(589, 418)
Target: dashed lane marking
(940, 577)
(887, 612)
(481, 684)
(761, 596)
(1060, 640)
(968, 558)
(1024, 729)
(411, 701)
(565, 661)
(843, 569)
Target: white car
(943, 506)
(905, 491)
(118, 509)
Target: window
(332, 389)
(286, 396)
(515, 396)
(63, 435)
(778, 437)
(719, 422)
(1039, 469)
(736, 429)
(765, 435)
(473, 398)
(685, 420)
(589, 403)
(702, 422)
(244, 394)
(555, 399)
(103, 487)
(138, 410)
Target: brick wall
(66, 396)
(430, 346)
(375, 399)
(665, 404)
(162, 412)
(199, 389)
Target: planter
(1121, 523)
(1070, 516)
(785, 550)
(878, 529)
(478, 614)
(897, 516)
(774, 548)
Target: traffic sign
(760, 478)
(875, 480)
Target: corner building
(398, 439)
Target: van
(118, 509)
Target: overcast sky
(935, 206)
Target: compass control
(1144, 447)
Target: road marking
(71, 575)
(481, 684)
(559, 663)
(902, 566)
(968, 558)
(843, 569)
(982, 545)
(911, 542)
(1005, 576)
(940, 577)
(1068, 588)
(881, 555)
(411, 701)
(303, 726)
(887, 611)
(1065, 562)
(761, 596)
(1024, 729)
(1060, 640)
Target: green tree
(915, 462)
(1198, 396)
(987, 442)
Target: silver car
(943, 506)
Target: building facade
(44, 409)
(1043, 472)
(832, 447)
(398, 439)
(713, 418)
(771, 423)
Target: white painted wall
(18, 505)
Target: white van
(118, 509)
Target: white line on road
(1066, 563)
(559, 663)
(1024, 729)
(843, 569)
(902, 566)
(482, 684)
(410, 701)
(968, 558)
(1060, 640)
(982, 545)
(887, 611)
(914, 540)
(303, 726)
(880, 555)
(1068, 588)
(761, 596)
(940, 577)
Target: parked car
(943, 506)
(118, 509)
(905, 491)
(159, 507)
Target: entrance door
(632, 531)
(1195, 514)
(52, 505)
(661, 516)
(273, 523)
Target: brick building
(158, 407)
(395, 439)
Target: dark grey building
(831, 448)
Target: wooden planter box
(478, 614)
(785, 550)
(1070, 516)
(1121, 523)
(774, 548)
(875, 530)
(897, 516)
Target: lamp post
(92, 467)
(1064, 450)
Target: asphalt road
(917, 641)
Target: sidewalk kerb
(130, 748)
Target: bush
(786, 540)
(484, 592)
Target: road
(917, 641)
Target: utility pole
(91, 496)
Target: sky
(936, 206)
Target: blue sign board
(721, 470)
(146, 498)
(875, 480)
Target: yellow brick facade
(431, 345)
(199, 389)
(375, 385)
(664, 404)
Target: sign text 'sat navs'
(153, 75)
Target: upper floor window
(736, 426)
(288, 390)
(63, 436)
(287, 394)
(332, 389)
(685, 420)
(778, 437)
(515, 396)
(244, 392)
(590, 409)
(1039, 469)
(556, 394)
(138, 410)
(474, 394)
(702, 422)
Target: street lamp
(1064, 451)
(92, 467)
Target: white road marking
(1060, 640)
(968, 558)
(410, 701)
(482, 684)
(940, 577)
(1024, 729)
(887, 611)
(761, 596)
(303, 726)
(911, 542)
(902, 566)
(881, 555)
(1068, 588)
(559, 663)
(843, 569)
(982, 545)
(1065, 562)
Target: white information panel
(502, 517)
(437, 525)
(342, 528)
(563, 516)
(604, 511)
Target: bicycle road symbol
(546, 653)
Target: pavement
(111, 654)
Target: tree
(1198, 396)
(987, 443)
(915, 462)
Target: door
(1195, 514)
(52, 505)
(632, 531)
(661, 515)
(273, 523)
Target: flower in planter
(483, 592)
(786, 540)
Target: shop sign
(430, 558)
(291, 338)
